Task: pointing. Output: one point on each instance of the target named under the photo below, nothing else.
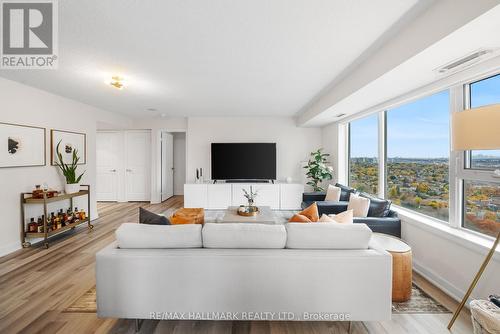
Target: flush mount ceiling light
(116, 81)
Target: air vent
(340, 115)
(464, 62)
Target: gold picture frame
(23, 144)
(72, 140)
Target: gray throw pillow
(151, 218)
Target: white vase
(71, 188)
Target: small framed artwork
(22, 145)
(70, 141)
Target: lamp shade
(476, 129)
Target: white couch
(243, 283)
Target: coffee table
(265, 216)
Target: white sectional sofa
(164, 272)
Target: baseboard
(10, 248)
(445, 286)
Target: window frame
(459, 100)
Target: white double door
(123, 165)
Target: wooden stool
(401, 265)
(188, 216)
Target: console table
(219, 196)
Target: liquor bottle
(32, 227)
(70, 215)
(76, 214)
(53, 224)
(40, 225)
(60, 215)
(82, 215)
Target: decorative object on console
(22, 145)
(188, 216)
(70, 141)
(247, 211)
(476, 129)
(69, 171)
(333, 193)
(199, 175)
(250, 196)
(151, 218)
(360, 205)
(317, 169)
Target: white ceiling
(210, 58)
(418, 72)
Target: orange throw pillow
(188, 216)
(299, 219)
(311, 212)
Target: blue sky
(419, 129)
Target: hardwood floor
(38, 284)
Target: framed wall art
(22, 145)
(70, 141)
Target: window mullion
(381, 155)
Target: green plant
(317, 169)
(68, 170)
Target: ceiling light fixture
(116, 82)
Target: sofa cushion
(333, 193)
(360, 205)
(244, 235)
(299, 219)
(345, 191)
(131, 235)
(327, 236)
(148, 217)
(378, 207)
(345, 217)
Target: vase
(71, 188)
(250, 202)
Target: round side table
(401, 265)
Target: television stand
(249, 181)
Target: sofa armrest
(386, 225)
(313, 196)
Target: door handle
(113, 170)
(129, 170)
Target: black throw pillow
(378, 207)
(345, 192)
(151, 218)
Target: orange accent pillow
(311, 212)
(188, 216)
(299, 219)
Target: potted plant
(318, 170)
(72, 184)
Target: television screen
(243, 161)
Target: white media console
(279, 196)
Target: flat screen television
(243, 161)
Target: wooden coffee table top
(265, 216)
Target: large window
(481, 199)
(481, 93)
(363, 154)
(482, 207)
(418, 155)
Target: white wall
(451, 262)
(179, 162)
(293, 144)
(22, 104)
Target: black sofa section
(380, 218)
